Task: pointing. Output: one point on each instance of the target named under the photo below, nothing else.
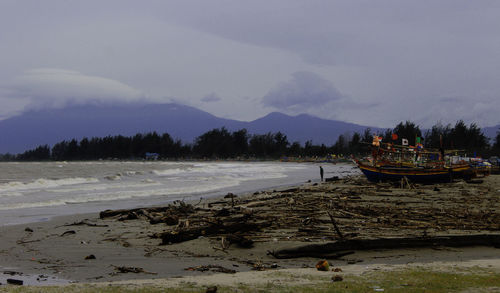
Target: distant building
(152, 156)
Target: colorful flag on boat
(376, 140)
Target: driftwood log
(217, 228)
(181, 208)
(334, 248)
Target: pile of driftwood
(344, 210)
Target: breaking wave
(43, 183)
(60, 188)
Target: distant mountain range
(491, 131)
(49, 126)
(35, 128)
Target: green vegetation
(460, 137)
(223, 144)
(214, 144)
(415, 280)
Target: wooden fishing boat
(463, 171)
(380, 173)
(391, 162)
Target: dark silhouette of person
(321, 173)
(441, 152)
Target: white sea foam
(75, 185)
(121, 195)
(169, 172)
(6, 194)
(26, 205)
(44, 183)
(132, 173)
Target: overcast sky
(368, 62)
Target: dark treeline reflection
(223, 144)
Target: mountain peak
(275, 115)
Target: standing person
(321, 173)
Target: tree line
(214, 144)
(469, 139)
(223, 144)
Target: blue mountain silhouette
(49, 126)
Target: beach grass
(411, 280)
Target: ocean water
(38, 191)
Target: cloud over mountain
(304, 91)
(210, 98)
(50, 87)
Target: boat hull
(421, 175)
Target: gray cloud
(450, 109)
(304, 91)
(49, 87)
(386, 52)
(211, 98)
(449, 100)
(347, 32)
(392, 60)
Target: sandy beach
(125, 247)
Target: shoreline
(60, 246)
(28, 270)
(187, 199)
(129, 199)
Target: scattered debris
(27, 241)
(231, 224)
(337, 278)
(15, 282)
(231, 196)
(212, 268)
(260, 266)
(135, 270)
(129, 216)
(84, 223)
(90, 257)
(475, 181)
(334, 223)
(323, 265)
(28, 229)
(70, 232)
(241, 241)
(12, 273)
(332, 214)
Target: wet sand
(87, 249)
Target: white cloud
(51, 87)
